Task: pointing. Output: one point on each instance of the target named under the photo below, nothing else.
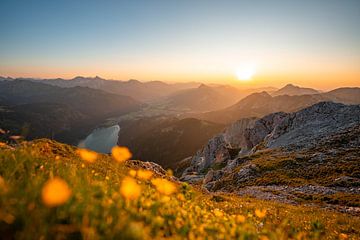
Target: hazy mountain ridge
(261, 104)
(142, 91)
(202, 98)
(293, 90)
(87, 100)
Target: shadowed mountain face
(88, 101)
(293, 90)
(142, 91)
(38, 110)
(166, 141)
(202, 98)
(260, 104)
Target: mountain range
(260, 104)
(47, 111)
(141, 91)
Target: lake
(101, 139)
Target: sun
(245, 72)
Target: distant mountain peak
(204, 86)
(293, 90)
(134, 81)
(290, 85)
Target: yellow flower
(121, 154)
(260, 213)
(343, 236)
(240, 219)
(218, 213)
(55, 192)
(129, 189)
(2, 144)
(87, 155)
(164, 186)
(263, 238)
(181, 197)
(132, 173)
(144, 174)
(3, 187)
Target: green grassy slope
(97, 210)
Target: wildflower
(164, 186)
(144, 174)
(57, 157)
(121, 154)
(169, 172)
(260, 213)
(218, 213)
(87, 155)
(55, 192)
(165, 199)
(263, 238)
(240, 219)
(2, 144)
(129, 189)
(343, 236)
(181, 197)
(3, 187)
(159, 221)
(132, 173)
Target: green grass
(96, 209)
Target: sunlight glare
(245, 72)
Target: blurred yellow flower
(218, 213)
(260, 213)
(164, 186)
(144, 174)
(55, 192)
(87, 155)
(343, 236)
(3, 187)
(121, 154)
(263, 238)
(2, 144)
(132, 173)
(240, 219)
(129, 188)
(181, 197)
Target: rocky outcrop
(293, 131)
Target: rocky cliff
(289, 131)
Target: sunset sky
(310, 42)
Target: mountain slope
(142, 91)
(86, 100)
(166, 141)
(260, 104)
(293, 90)
(94, 206)
(202, 98)
(37, 110)
(318, 145)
